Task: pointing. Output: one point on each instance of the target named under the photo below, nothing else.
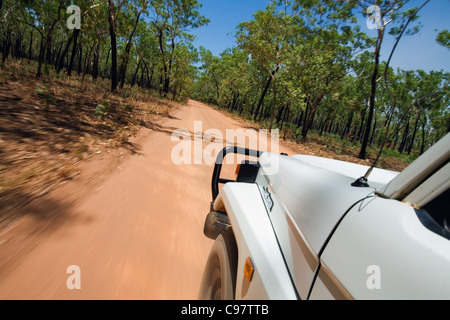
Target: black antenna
(363, 182)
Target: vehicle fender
(382, 250)
(256, 240)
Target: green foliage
(103, 109)
(46, 95)
(299, 65)
(154, 44)
(443, 38)
(128, 108)
(323, 65)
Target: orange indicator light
(248, 269)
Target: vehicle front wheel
(219, 277)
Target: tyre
(219, 277)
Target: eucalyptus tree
(183, 71)
(147, 55)
(430, 108)
(234, 84)
(10, 12)
(89, 14)
(113, 12)
(136, 9)
(381, 14)
(267, 39)
(326, 42)
(407, 111)
(171, 22)
(212, 72)
(42, 16)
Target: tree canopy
(309, 65)
(300, 65)
(139, 42)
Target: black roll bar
(219, 162)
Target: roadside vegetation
(48, 126)
(329, 145)
(309, 69)
(70, 90)
(140, 42)
(77, 82)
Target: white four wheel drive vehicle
(303, 227)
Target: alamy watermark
(74, 21)
(374, 280)
(375, 20)
(74, 280)
(203, 147)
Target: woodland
(302, 66)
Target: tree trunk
(402, 146)
(285, 118)
(263, 95)
(164, 78)
(48, 56)
(112, 32)
(95, 65)
(40, 58)
(56, 60)
(312, 113)
(359, 133)
(126, 58)
(80, 60)
(106, 72)
(133, 81)
(261, 113)
(150, 79)
(87, 62)
(274, 102)
(217, 87)
(363, 152)
(348, 126)
(300, 120)
(48, 40)
(422, 145)
(413, 138)
(76, 33)
(280, 114)
(261, 99)
(7, 46)
(30, 49)
(61, 58)
(169, 73)
(374, 129)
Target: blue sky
(414, 52)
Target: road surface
(133, 227)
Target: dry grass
(48, 125)
(328, 146)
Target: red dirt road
(134, 227)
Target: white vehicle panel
(255, 239)
(386, 235)
(312, 235)
(378, 178)
(315, 198)
(298, 254)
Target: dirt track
(133, 227)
